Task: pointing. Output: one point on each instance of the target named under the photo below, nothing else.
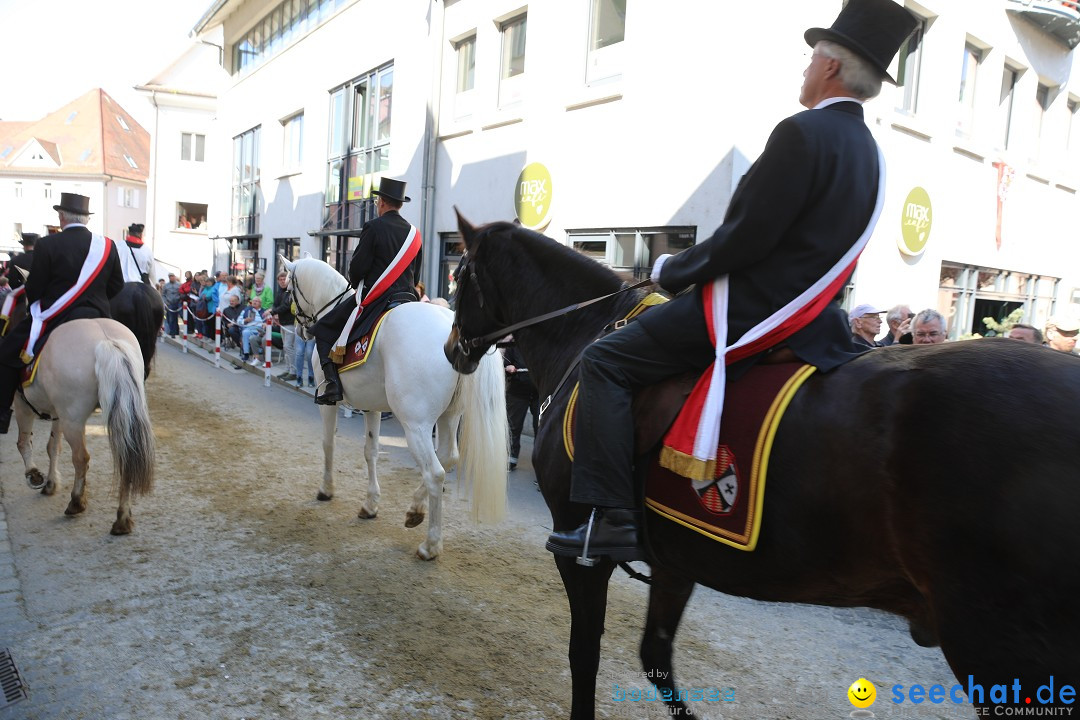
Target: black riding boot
(9, 382)
(331, 389)
(609, 532)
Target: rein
(307, 320)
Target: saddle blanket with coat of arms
(358, 349)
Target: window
(192, 147)
(293, 149)
(287, 22)
(1043, 98)
(452, 250)
(122, 123)
(48, 191)
(466, 63)
(131, 161)
(290, 248)
(245, 183)
(607, 29)
(908, 69)
(191, 216)
(512, 66)
(1005, 103)
(127, 197)
(18, 189)
(631, 250)
(1072, 132)
(969, 68)
(71, 117)
(360, 121)
(969, 293)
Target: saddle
(363, 331)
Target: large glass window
(908, 69)
(360, 121)
(1005, 103)
(969, 68)
(292, 159)
(968, 294)
(245, 183)
(512, 65)
(607, 30)
(287, 22)
(465, 50)
(631, 250)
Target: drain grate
(10, 681)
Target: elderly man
(928, 328)
(865, 322)
(1025, 333)
(898, 318)
(789, 241)
(1061, 332)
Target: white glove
(655, 276)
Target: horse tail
(123, 403)
(485, 439)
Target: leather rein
(309, 320)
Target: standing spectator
(22, 260)
(189, 293)
(305, 348)
(206, 305)
(1061, 332)
(1025, 333)
(251, 321)
(898, 318)
(928, 328)
(283, 316)
(521, 396)
(136, 260)
(865, 322)
(220, 286)
(232, 287)
(5, 287)
(170, 295)
(260, 289)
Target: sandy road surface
(241, 596)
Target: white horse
(86, 364)
(407, 373)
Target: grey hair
(66, 218)
(856, 74)
(926, 316)
(897, 313)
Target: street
(239, 595)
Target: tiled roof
(91, 135)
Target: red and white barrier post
(269, 348)
(184, 320)
(217, 338)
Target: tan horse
(84, 365)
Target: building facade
(622, 129)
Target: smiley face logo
(862, 693)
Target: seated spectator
(183, 223)
(928, 328)
(1025, 333)
(1061, 332)
(252, 323)
(898, 318)
(229, 317)
(865, 321)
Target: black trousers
(521, 397)
(611, 370)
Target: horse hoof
(122, 527)
(323, 496)
(412, 519)
(423, 553)
(365, 514)
(74, 508)
(923, 636)
(49, 489)
(35, 479)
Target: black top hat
(393, 189)
(28, 239)
(72, 203)
(873, 29)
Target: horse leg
(586, 589)
(447, 452)
(372, 425)
(54, 446)
(668, 595)
(329, 419)
(80, 459)
(428, 492)
(24, 420)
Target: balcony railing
(1060, 18)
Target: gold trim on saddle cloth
(367, 351)
(747, 539)
(29, 373)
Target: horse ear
(468, 232)
(286, 262)
(307, 255)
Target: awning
(350, 232)
(250, 236)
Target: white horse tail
(123, 403)
(485, 439)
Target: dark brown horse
(934, 482)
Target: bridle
(306, 320)
(466, 274)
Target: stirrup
(584, 558)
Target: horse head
(316, 288)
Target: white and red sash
(690, 445)
(405, 255)
(95, 260)
(9, 307)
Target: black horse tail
(140, 308)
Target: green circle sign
(915, 222)
(532, 196)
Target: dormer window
(131, 161)
(123, 124)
